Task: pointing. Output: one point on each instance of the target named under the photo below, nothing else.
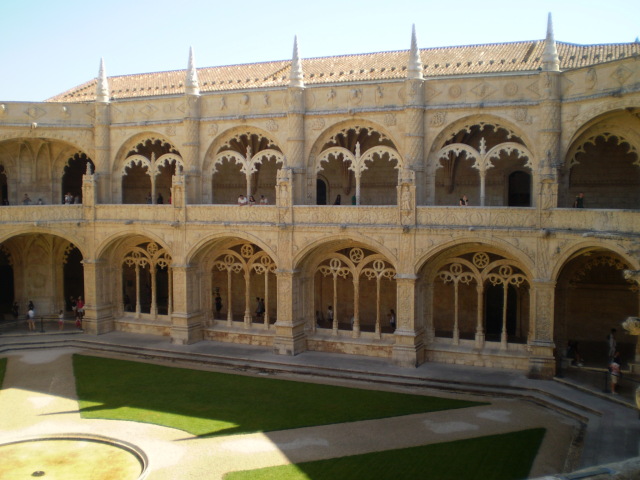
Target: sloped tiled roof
(437, 62)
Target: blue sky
(47, 47)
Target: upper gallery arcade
(353, 169)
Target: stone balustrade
(601, 222)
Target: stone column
(89, 195)
(545, 180)
(102, 160)
(98, 309)
(414, 140)
(290, 337)
(541, 346)
(295, 141)
(191, 149)
(408, 350)
(187, 315)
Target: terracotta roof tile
(437, 62)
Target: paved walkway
(584, 427)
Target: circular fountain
(81, 456)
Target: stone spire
(295, 79)
(102, 88)
(191, 85)
(415, 64)
(550, 60)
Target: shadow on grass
(496, 457)
(209, 404)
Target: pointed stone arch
(146, 169)
(585, 318)
(603, 163)
(236, 271)
(342, 278)
(352, 155)
(248, 160)
(492, 149)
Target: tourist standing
(579, 202)
(330, 315)
(61, 320)
(464, 201)
(31, 323)
(392, 319)
(614, 371)
(79, 312)
(26, 200)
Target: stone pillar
(545, 182)
(541, 346)
(102, 159)
(190, 150)
(408, 350)
(88, 195)
(295, 141)
(407, 197)
(187, 314)
(290, 337)
(98, 309)
(414, 140)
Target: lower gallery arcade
(469, 302)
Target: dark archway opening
(7, 290)
(72, 178)
(321, 192)
(73, 273)
(519, 189)
(4, 189)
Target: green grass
(209, 403)
(3, 368)
(496, 457)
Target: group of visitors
(614, 360)
(77, 307)
(69, 198)
(243, 200)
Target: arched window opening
(247, 164)
(592, 297)
(72, 178)
(481, 296)
(359, 286)
(244, 287)
(475, 161)
(146, 281)
(607, 170)
(136, 185)
(360, 163)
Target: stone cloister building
(155, 163)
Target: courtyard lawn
(210, 403)
(3, 367)
(496, 457)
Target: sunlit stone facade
(399, 137)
